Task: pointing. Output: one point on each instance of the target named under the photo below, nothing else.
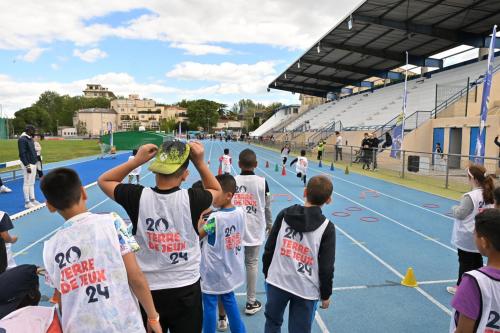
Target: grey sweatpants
(251, 266)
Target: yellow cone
(346, 170)
(409, 280)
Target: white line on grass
(373, 255)
(368, 188)
(388, 218)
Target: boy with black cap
(165, 224)
(298, 260)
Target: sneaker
(222, 324)
(5, 189)
(35, 203)
(28, 205)
(451, 290)
(251, 309)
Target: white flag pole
(405, 98)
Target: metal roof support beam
(327, 78)
(355, 69)
(463, 37)
(414, 60)
(311, 86)
(300, 91)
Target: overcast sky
(161, 49)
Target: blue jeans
(230, 305)
(300, 315)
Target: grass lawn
(52, 151)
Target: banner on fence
(397, 138)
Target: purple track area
(89, 171)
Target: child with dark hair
(226, 161)
(472, 202)
(298, 260)
(285, 151)
(222, 258)
(253, 196)
(477, 300)
(301, 167)
(165, 224)
(6, 240)
(136, 172)
(91, 263)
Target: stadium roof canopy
(371, 41)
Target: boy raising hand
(165, 224)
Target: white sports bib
(463, 230)
(226, 163)
(301, 165)
(294, 266)
(251, 196)
(489, 321)
(170, 247)
(91, 277)
(222, 268)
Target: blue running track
(382, 229)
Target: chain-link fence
(439, 170)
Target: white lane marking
(426, 237)
(373, 255)
(58, 228)
(367, 188)
(431, 282)
(51, 233)
(34, 209)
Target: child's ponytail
(478, 172)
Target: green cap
(170, 157)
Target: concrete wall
(94, 122)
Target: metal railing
(425, 170)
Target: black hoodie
(306, 219)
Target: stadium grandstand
(358, 69)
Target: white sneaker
(5, 189)
(35, 203)
(451, 290)
(222, 324)
(28, 205)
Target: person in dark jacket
(388, 141)
(366, 152)
(27, 155)
(298, 260)
(374, 142)
(498, 145)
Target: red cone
(283, 171)
(267, 164)
(219, 172)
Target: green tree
(33, 115)
(168, 124)
(201, 112)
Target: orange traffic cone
(56, 297)
(362, 195)
(409, 280)
(283, 171)
(267, 164)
